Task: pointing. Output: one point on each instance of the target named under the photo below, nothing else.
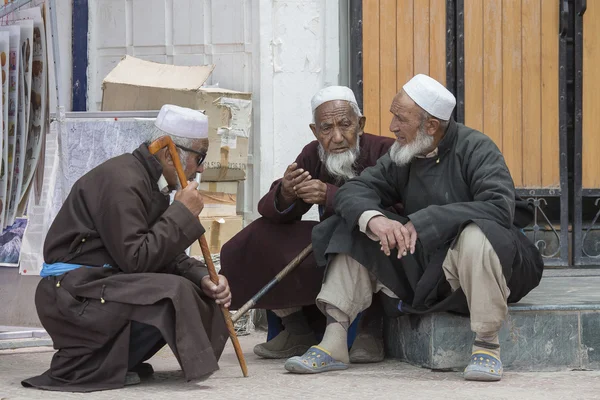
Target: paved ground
(268, 380)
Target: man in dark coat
(256, 254)
(460, 248)
(117, 284)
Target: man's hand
(392, 234)
(191, 198)
(312, 191)
(220, 292)
(291, 178)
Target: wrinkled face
(337, 127)
(414, 132)
(189, 162)
(406, 120)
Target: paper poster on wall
(4, 51)
(27, 57)
(20, 144)
(38, 97)
(10, 243)
(13, 98)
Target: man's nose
(337, 136)
(394, 126)
(200, 169)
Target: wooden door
(401, 38)
(512, 83)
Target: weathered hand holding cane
(154, 147)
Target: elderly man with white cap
(117, 284)
(253, 257)
(460, 247)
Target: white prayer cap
(431, 96)
(331, 93)
(182, 122)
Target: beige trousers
(471, 265)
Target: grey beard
(403, 154)
(341, 166)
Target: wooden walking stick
(282, 274)
(154, 147)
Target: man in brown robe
(253, 257)
(117, 284)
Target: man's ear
(313, 128)
(362, 121)
(432, 126)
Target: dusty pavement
(268, 380)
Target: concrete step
(556, 327)
(14, 337)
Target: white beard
(341, 165)
(403, 154)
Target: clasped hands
(392, 234)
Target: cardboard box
(136, 84)
(223, 187)
(218, 204)
(218, 231)
(220, 199)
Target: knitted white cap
(331, 93)
(431, 96)
(182, 122)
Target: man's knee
(471, 236)
(473, 251)
(179, 283)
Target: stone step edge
(553, 307)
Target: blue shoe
(483, 367)
(314, 361)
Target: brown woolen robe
(255, 255)
(116, 215)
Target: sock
(335, 339)
(490, 338)
(296, 324)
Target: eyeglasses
(201, 155)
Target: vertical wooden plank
(387, 63)
(511, 89)
(591, 89)
(550, 94)
(437, 40)
(371, 66)
(404, 42)
(532, 82)
(492, 70)
(474, 99)
(421, 38)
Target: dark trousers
(145, 341)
